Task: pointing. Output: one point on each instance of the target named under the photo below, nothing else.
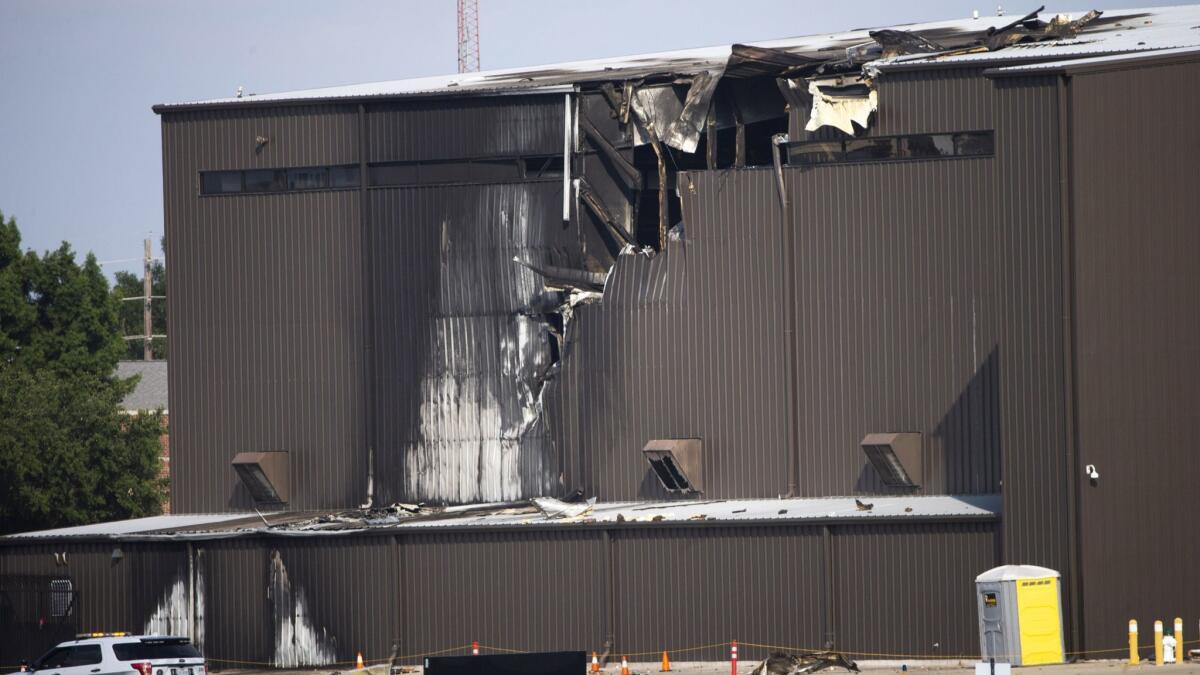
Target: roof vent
(896, 457)
(265, 475)
(677, 464)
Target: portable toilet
(1020, 615)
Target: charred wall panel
(681, 347)
(884, 576)
(334, 597)
(535, 591)
(468, 127)
(687, 588)
(266, 310)
(1137, 318)
(462, 347)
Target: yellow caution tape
(684, 650)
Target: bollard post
(1134, 659)
(992, 665)
(733, 657)
(1158, 652)
(1180, 652)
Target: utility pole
(146, 298)
(148, 326)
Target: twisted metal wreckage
(631, 135)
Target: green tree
(67, 454)
(129, 285)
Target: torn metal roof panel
(1116, 31)
(740, 510)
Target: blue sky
(80, 153)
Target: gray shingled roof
(151, 391)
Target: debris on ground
(781, 663)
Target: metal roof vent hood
(896, 457)
(265, 475)
(677, 463)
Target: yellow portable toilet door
(1040, 620)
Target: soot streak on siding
(298, 642)
(172, 614)
(464, 348)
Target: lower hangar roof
(538, 513)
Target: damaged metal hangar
(902, 286)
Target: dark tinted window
(544, 167)
(389, 173)
(393, 174)
(83, 655)
(444, 172)
(220, 182)
(973, 144)
(822, 152)
(928, 145)
(311, 178)
(344, 176)
(889, 148)
(465, 171)
(153, 651)
(266, 180)
(870, 148)
(494, 170)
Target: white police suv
(121, 654)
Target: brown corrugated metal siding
(1137, 317)
(282, 601)
(266, 309)
(934, 296)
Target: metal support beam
(629, 173)
(710, 135)
(739, 159)
(598, 209)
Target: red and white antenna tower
(468, 36)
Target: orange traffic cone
(360, 665)
(666, 665)
(624, 665)
(595, 663)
